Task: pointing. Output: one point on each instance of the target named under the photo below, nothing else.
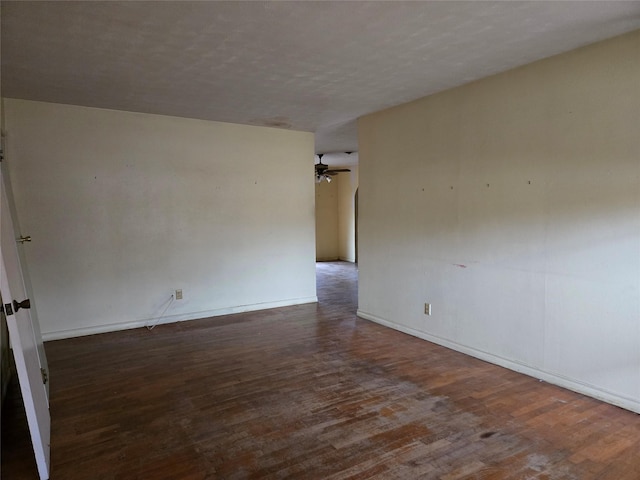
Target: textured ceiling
(313, 66)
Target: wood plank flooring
(309, 392)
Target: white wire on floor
(157, 319)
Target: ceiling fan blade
(333, 172)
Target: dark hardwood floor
(309, 392)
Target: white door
(23, 337)
(21, 257)
(22, 241)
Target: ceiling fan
(324, 172)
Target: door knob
(23, 304)
(24, 239)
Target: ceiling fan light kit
(324, 172)
(320, 178)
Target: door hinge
(45, 377)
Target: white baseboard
(559, 380)
(114, 327)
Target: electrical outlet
(427, 309)
(179, 294)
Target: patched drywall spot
(274, 122)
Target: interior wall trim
(549, 377)
(114, 327)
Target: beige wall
(327, 221)
(512, 206)
(124, 208)
(347, 186)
